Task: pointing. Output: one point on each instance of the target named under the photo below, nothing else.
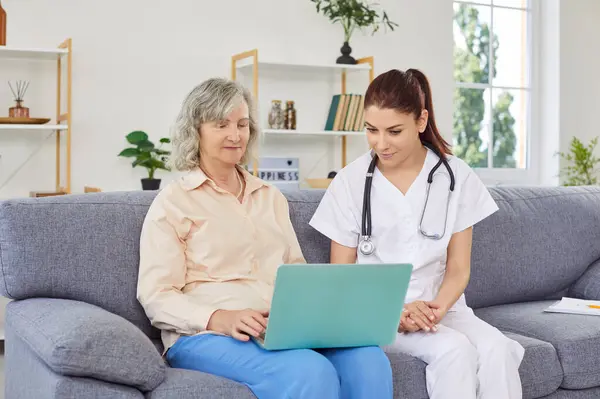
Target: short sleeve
(334, 217)
(474, 204)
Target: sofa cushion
(540, 371)
(303, 204)
(408, 373)
(82, 340)
(190, 384)
(590, 393)
(409, 382)
(575, 337)
(539, 243)
(27, 376)
(588, 286)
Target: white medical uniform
(467, 358)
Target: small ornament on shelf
(19, 111)
(276, 115)
(290, 116)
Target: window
(492, 64)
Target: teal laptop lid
(334, 305)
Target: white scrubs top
(395, 217)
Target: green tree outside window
(472, 64)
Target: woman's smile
(386, 155)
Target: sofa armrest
(588, 285)
(78, 339)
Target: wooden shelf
(333, 133)
(62, 56)
(32, 127)
(251, 62)
(32, 53)
(248, 64)
(290, 182)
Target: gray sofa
(75, 330)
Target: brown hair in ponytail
(407, 92)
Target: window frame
(530, 173)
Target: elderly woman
(210, 247)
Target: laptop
(335, 305)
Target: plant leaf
(582, 170)
(136, 136)
(353, 13)
(129, 152)
(145, 145)
(143, 157)
(155, 163)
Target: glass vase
(18, 111)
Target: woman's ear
(422, 121)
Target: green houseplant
(353, 14)
(148, 156)
(581, 170)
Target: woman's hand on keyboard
(239, 324)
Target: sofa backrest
(85, 247)
(535, 247)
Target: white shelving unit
(246, 63)
(249, 60)
(62, 122)
(32, 127)
(32, 53)
(332, 133)
(62, 54)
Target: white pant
(466, 358)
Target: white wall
(547, 112)
(579, 71)
(569, 96)
(134, 62)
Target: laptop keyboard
(261, 338)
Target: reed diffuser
(19, 111)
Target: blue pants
(353, 373)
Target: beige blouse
(202, 250)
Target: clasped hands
(421, 315)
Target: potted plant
(352, 14)
(148, 156)
(581, 170)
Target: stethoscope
(366, 246)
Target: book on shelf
(346, 113)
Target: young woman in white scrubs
(466, 357)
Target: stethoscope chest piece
(366, 247)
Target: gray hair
(210, 101)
